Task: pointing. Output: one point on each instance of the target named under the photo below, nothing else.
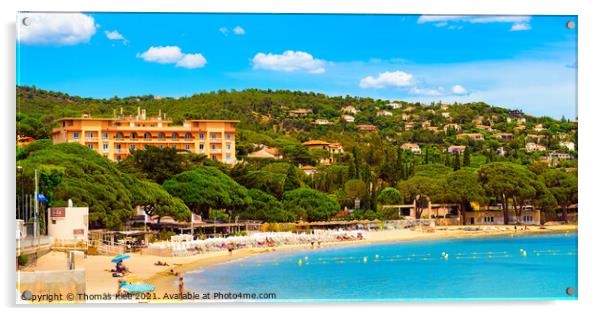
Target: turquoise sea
(475, 269)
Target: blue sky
(526, 62)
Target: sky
(524, 62)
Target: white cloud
(116, 36)
(192, 61)
(289, 61)
(55, 28)
(239, 30)
(224, 30)
(162, 54)
(520, 27)
(431, 92)
(173, 55)
(397, 79)
(459, 90)
(474, 18)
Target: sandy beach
(99, 280)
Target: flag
(42, 198)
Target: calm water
(476, 268)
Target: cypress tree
(457, 163)
(466, 157)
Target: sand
(99, 280)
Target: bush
(22, 259)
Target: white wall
(76, 218)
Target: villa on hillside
(350, 109)
(266, 152)
(348, 118)
(536, 137)
(412, 147)
(395, 105)
(384, 113)
(114, 138)
(409, 125)
(332, 148)
(485, 128)
(322, 122)
(454, 127)
(445, 114)
(534, 147)
(516, 113)
(504, 136)
(309, 170)
(299, 112)
(456, 149)
(567, 145)
(473, 136)
(366, 128)
(538, 128)
(501, 151)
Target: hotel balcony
(91, 139)
(121, 151)
(216, 151)
(215, 140)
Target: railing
(216, 151)
(215, 140)
(91, 139)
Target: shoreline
(165, 282)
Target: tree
(155, 201)
(157, 164)
(310, 205)
(422, 190)
(457, 163)
(355, 188)
(563, 185)
(206, 188)
(266, 208)
(462, 187)
(390, 196)
(466, 157)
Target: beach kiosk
(68, 223)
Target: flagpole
(35, 214)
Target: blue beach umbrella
(134, 288)
(119, 258)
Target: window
(132, 146)
(187, 146)
(202, 136)
(118, 158)
(147, 135)
(228, 136)
(228, 158)
(105, 135)
(214, 157)
(90, 146)
(118, 146)
(90, 135)
(76, 135)
(213, 135)
(174, 135)
(118, 135)
(527, 218)
(105, 147)
(173, 146)
(132, 135)
(213, 146)
(227, 147)
(202, 147)
(161, 136)
(187, 136)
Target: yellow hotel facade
(113, 138)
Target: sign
(57, 212)
(78, 231)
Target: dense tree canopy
(310, 205)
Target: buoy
(524, 253)
(306, 258)
(365, 259)
(446, 256)
(376, 256)
(300, 262)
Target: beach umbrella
(134, 288)
(119, 258)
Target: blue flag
(42, 198)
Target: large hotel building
(115, 137)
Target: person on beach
(181, 285)
(230, 248)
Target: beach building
(68, 223)
(412, 147)
(115, 137)
(496, 217)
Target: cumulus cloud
(520, 27)
(397, 79)
(459, 90)
(239, 30)
(289, 61)
(173, 55)
(116, 36)
(192, 61)
(55, 28)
